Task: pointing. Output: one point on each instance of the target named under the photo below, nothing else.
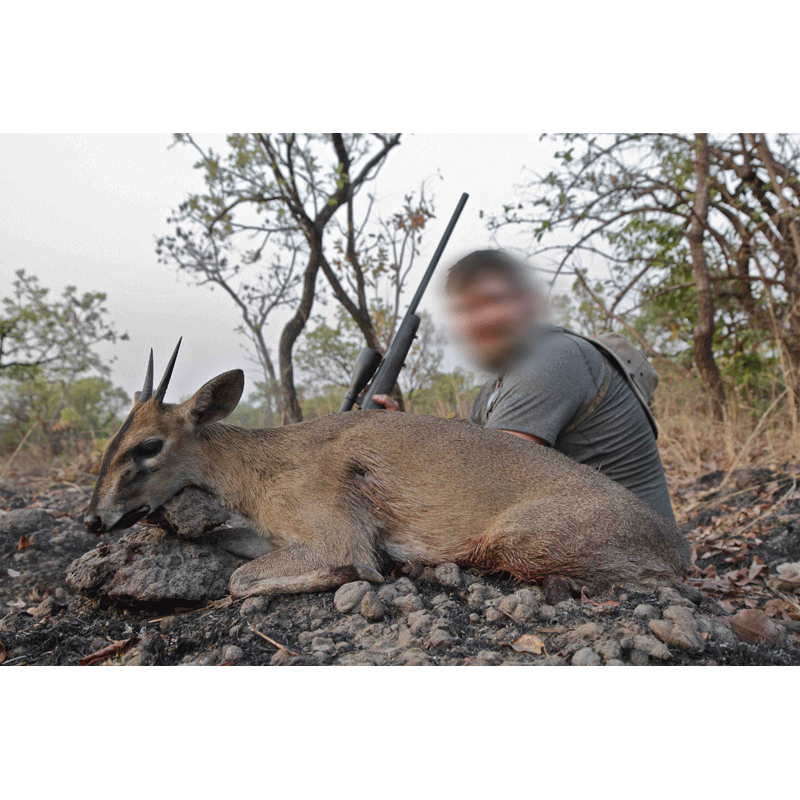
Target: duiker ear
(216, 399)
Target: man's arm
(527, 436)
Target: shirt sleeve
(545, 393)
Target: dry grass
(693, 443)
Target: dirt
(447, 616)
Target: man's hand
(389, 403)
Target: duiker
(336, 495)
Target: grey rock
(678, 629)
(439, 599)
(405, 586)
(586, 657)
(639, 658)
(645, 611)
(47, 608)
(148, 566)
(448, 575)
(493, 614)
(609, 650)
(408, 603)
(666, 594)
(486, 658)
(23, 521)
(589, 631)
(723, 634)
(532, 597)
(371, 607)
(518, 610)
(546, 612)
(479, 593)
(652, 646)
(190, 514)
(419, 621)
(615, 662)
(440, 637)
(388, 594)
(322, 644)
(552, 661)
(414, 657)
(254, 605)
(349, 596)
(232, 653)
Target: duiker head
(154, 454)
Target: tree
(59, 335)
(697, 237)
(274, 198)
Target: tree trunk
(290, 405)
(704, 327)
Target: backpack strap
(592, 407)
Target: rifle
(386, 369)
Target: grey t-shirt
(551, 386)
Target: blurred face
(493, 318)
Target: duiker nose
(93, 524)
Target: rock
(546, 612)
(493, 614)
(232, 653)
(615, 662)
(148, 566)
(419, 621)
(349, 596)
(414, 657)
(439, 599)
(651, 646)
(645, 611)
(586, 657)
(408, 603)
(723, 634)
(440, 637)
(530, 597)
(405, 586)
(24, 521)
(322, 645)
(586, 632)
(639, 658)
(666, 594)
(486, 658)
(609, 650)
(677, 631)
(513, 607)
(388, 594)
(254, 605)
(552, 661)
(47, 608)
(190, 514)
(479, 593)
(448, 575)
(371, 607)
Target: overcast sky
(85, 210)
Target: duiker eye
(148, 448)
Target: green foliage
(59, 334)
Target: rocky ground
(157, 595)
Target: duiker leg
(296, 569)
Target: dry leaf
(114, 649)
(789, 575)
(2, 653)
(755, 626)
(528, 643)
(24, 542)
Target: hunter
(552, 387)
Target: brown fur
(342, 490)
